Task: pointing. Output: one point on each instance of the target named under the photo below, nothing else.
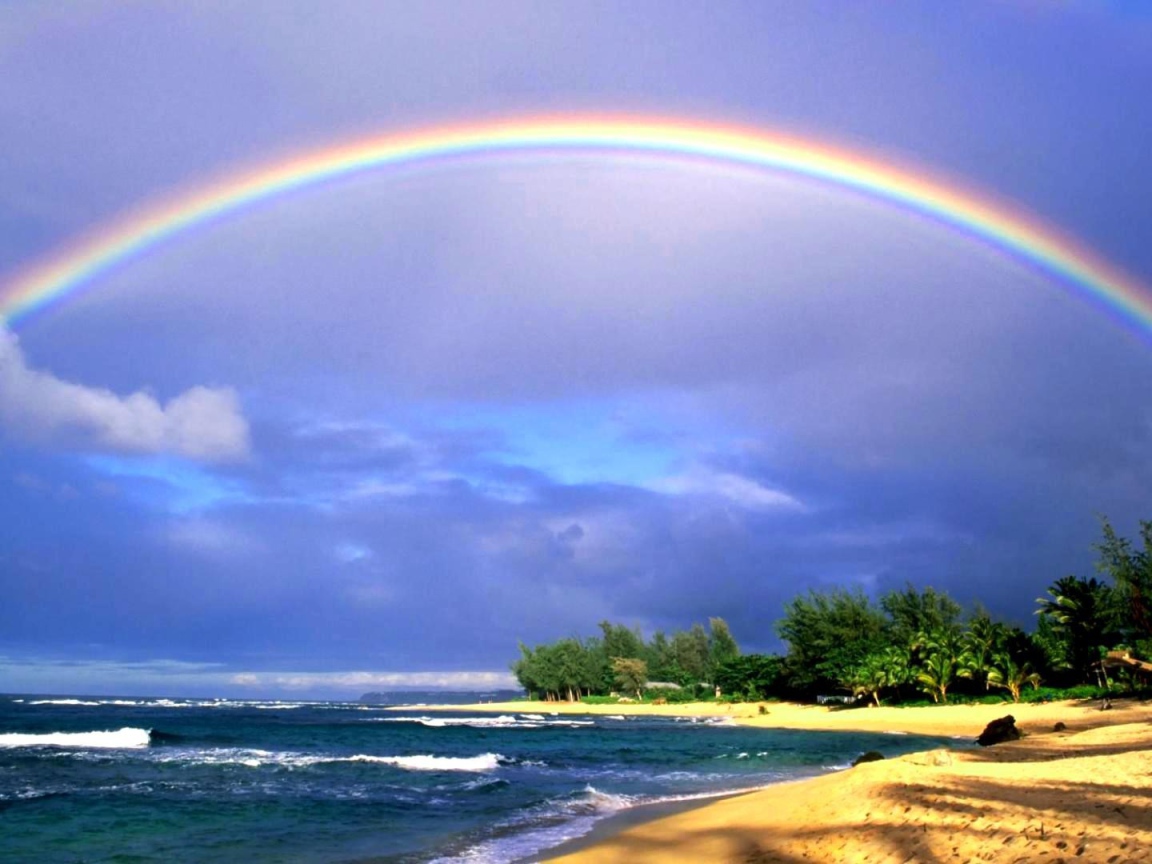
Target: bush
(1057, 694)
(688, 694)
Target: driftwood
(1116, 659)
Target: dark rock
(870, 756)
(1059, 727)
(999, 731)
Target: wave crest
(472, 764)
(119, 739)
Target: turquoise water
(187, 780)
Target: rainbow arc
(79, 266)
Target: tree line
(619, 659)
(906, 644)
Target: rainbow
(78, 267)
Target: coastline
(948, 721)
(1081, 794)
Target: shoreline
(946, 721)
(607, 829)
(1082, 793)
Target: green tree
(690, 654)
(722, 645)
(939, 654)
(868, 678)
(1012, 675)
(595, 664)
(898, 666)
(1047, 647)
(1082, 614)
(1131, 574)
(750, 676)
(981, 642)
(658, 655)
(618, 641)
(569, 660)
(631, 675)
(828, 635)
(913, 611)
(524, 669)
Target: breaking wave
(503, 721)
(472, 764)
(127, 738)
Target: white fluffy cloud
(201, 423)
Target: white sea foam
(61, 702)
(254, 758)
(472, 764)
(123, 739)
(560, 820)
(503, 721)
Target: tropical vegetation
(907, 645)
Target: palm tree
(1012, 676)
(940, 654)
(983, 639)
(868, 678)
(1083, 616)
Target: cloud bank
(202, 423)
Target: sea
(100, 779)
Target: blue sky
(373, 433)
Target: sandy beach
(1083, 794)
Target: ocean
(96, 779)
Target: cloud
(209, 537)
(743, 491)
(329, 681)
(202, 423)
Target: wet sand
(1083, 794)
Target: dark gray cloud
(505, 397)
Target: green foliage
(691, 655)
(1059, 694)
(1083, 620)
(722, 648)
(571, 668)
(562, 670)
(1131, 574)
(683, 695)
(939, 653)
(912, 612)
(658, 653)
(912, 639)
(829, 634)
(868, 678)
(984, 640)
(751, 677)
(1012, 675)
(630, 674)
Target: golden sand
(1080, 795)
